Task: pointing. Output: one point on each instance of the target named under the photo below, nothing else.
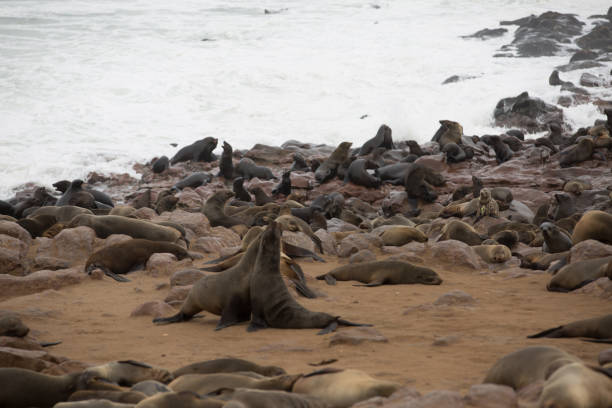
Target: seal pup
(194, 180)
(228, 365)
(453, 153)
(578, 274)
(160, 165)
(213, 210)
(299, 163)
(284, 187)
(358, 174)
(261, 198)
(382, 139)
(200, 150)
(493, 253)
(527, 366)
(378, 273)
(343, 388)
(226, 294)
(203, 384)
(555, 239)
(76, 195)
(329, 167)
(129, 372)
(105, 225)
(248, 169)
(271, 303)
(577, 385)
(124, 256)
(487, 205)
(240, 191)
(593, 224)
(449, 132)
(595, 328)
(226, 164)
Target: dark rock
(531, 114)
(591, 80)
(600, 38)
(487, 33)
(583, 55)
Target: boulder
(186, 277)
(357, 335)
(328, 242)
(160, 264)
(155, 309)
(589, 249)
(456, 253)
(455, 298)
(355, 242)
(365, 255)
(12, 286)
(491, 396)
(525, 112)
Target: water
(100, 85)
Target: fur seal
(449, 132)
(299, 163)
(581, 151)
(271, 303)
(378, 273)
(200, 150)
(195, 180)
(150, 387)
(416, 186)
(453, 153)
(38, 224)
(357, 173)
(166, 201)
(284, 187)
(102, 199)
(487, 205)
(576, 187)
(593, 225)
(578, 274)
(513, 142)
(203, 384)
(180, 400)
(507, 238)
(540, 260)
(461, 231)
(493, 253)
(401, 235)
(329, 167)
(127, 397)
(32, 389)
(105, 225)
(503, 153)
(261, 198)
(246, 398)
(76, 195)
(240, 191)
(382, 139)
(129, 372)
(577, 385)
(228, 365)
(294, 224)
(160, 165)
(226, 294)
(213, 210)
(562, 206)
(6, 208)
(555, 239)
(124, 256)
(595, 328)
(528, 365)
(226, 164)
(415, 148)
(343, 388)
(248, 169)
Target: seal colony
(239, 235)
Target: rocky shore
(517, 228)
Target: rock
(445, 341)
(455, 298)
(605, 357)
(399, 399)
(491, 396)
(525, 112)
(177, 294)
(261, 153)
(23, 343)
(583, 55)
(436, 162)
(11, 325)
(365, 255)
(189, 199)
(195, 221)
(519, 209)
(357, 335)
(217, 239)
(456, 253)
(589, 249)
(12, 286)
(15, 230)
(576, 65)
(597, 39)
(302, 180)
(186, 277)
(73, 244)
(160, 264)
(26, 359)
(601, 288)
(592, 81)
(12, 252)
(487, 33)
(145, 213)
(337, 225)
(355, 242)
(396, 202)
(155, 309)
(439, 399)
(328, 242)
(299, 239)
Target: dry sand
(92, 319)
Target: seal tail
(602, 341)
(343, 322)
(553, 333)
(300, 283)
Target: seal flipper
(177, 318)
(552, 333)
(233, 313)
(373, 284)
(49, 343)
(257, 323)
(603, 341)
(329, 279)
(343, 322)
(113, 275)
(329, 328)
(304, 290)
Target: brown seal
(261, 198)
(228, 365)
(63, 214)
(183, 399)
(577, 385)
(528, 365)
(461, 231)
(76, 195)
(106, 225)
(506, 237)
(357, 173)
(595, 328)
(213, 210)
(226, 294)
(555, 238)
(161, 164)
(576, 187)
(449, 132)
(32, 389)
(593, 225)
(487, 205)
(124, 211)
(271, 303)
(378, 273)
(294, 224)
(203, 384)
(37, 224)
(200, 150)
(246, 398)
(401, 235)
(329, 167)
(493, 253)
(343, 388)
(581, 151)
(128, 397)
(226, 164)
(578, 274)
(541, 261)
(129, 372)
(383, 138)
(96, 403)
(124, 256)
(248, 169)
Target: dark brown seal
(240, 191)
(416, 186)
(37, 224)
(124, 256)
(200, 150)
(213, 210)
(578, 274)
(358, 173)
(378, 273)
(329, 167)
(105, 225)
(593, 225)
(77, 195)
(226, 164)
(284, 187)
(271, 303)
(382, 139)
(248, 169)
(160, 165)
(595, 328)
(555, 239)
(129, 372)
(581, 151)
(194, 180)
(228, 365)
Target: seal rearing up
(271, 303)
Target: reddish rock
(357, 335)
(160, 264)
(27, 359)
(601, 288)
(177, 294)
(186, 277)
(435, 162)
(455, 298)
(23, 343)
(12, 286)
(605, 357)
(328, 242)
(155, 309)
(439, 399)
(11, 325)
(10, 258)
(73, 244)
(189, 199)
(195, 221)
(217, 239)
(266, 155)
(299, 239)
(491, 396)
(456, 253)
(365, 255)
(145, 213)
(15, 230)
(302, 180)
(355, 242)
(589, 249)
(337, 225)
(116, 239)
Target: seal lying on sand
(595, 328)
(228, 365)
(378, 273)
